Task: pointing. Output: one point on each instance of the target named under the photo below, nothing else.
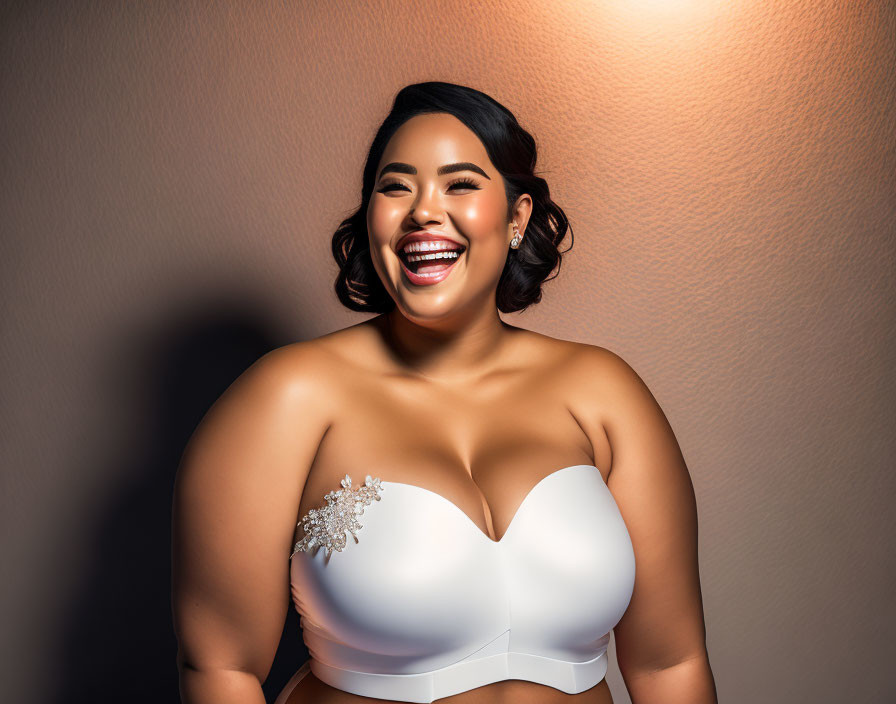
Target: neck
(452, 350)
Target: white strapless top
(420, 604)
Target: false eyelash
(467, 182)
(390, 183)
(456, 182)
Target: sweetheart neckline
(519, 508)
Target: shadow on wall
(116, 641)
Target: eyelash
(466, 182)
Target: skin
(443, 394)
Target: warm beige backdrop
(171, 176)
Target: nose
(427, 208)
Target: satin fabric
(425, 605)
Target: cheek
(481, 215)
(383, 218)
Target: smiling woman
(478, 174)
(445, 214)
(482, 493)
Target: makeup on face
(428, 255)
(434, 206)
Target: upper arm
(649, 480)
(236, 497)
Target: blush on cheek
(385, 213)
(483, 215)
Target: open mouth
(429, 262)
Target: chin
(422, 309)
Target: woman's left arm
(661, 639)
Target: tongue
(433, 268)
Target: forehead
(435, 139)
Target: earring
(517, 238)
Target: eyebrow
(402, 168)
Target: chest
(482, 448)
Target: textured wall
(171, 175)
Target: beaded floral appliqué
(327, 526)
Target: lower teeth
(441, 263)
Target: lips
(428, 275)
(428, 257)
(427, 236)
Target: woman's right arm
(235, 506)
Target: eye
(463, 183)
(391, 186)
(458, 183)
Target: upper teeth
(429, 245)
(434, 255)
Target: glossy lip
(425, 236)
(428, 236)
(428, 280)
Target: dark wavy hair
(513, 152)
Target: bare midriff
(311, 690)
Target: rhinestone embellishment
(327, 526)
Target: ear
(521, 212)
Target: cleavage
(490, 500)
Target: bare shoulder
(607, 396)
(286, 389)
(597, 377)
(601, 359)
(606, 376)
(644, 449)
(294, 369)
(569, 351)
(308, 369)
(317, 373)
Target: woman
(471, 507)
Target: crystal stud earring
(515, 242)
